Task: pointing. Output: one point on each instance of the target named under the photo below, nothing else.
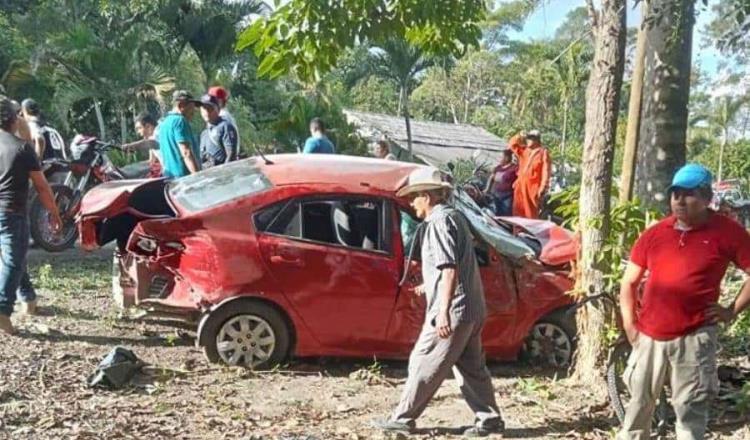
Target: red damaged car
(308, 256)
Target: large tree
(602, 109)
(664, 116)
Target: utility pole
(627, 176)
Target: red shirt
(685, 270)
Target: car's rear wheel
(552, 340)
(245, 333)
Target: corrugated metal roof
(435, 143)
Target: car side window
(355, 223)
(281, 218)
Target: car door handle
(280, 259)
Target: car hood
(558, 245)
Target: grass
(68, 276)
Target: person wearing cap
(451, 335)
(219, 139)
(222, 95)
(318, 142)
(674, 330)
(18, 165)
(179, 151)
(534, 170)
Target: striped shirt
(448, 243)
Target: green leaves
(306, 37)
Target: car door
(336, 266)
(498, 282)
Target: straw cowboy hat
(423, 179)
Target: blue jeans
(503, 203)
(14, 245)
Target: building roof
(377, 174)
(435, 143)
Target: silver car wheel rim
(550, 343)
(245, 340)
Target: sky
(545, 20)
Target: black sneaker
(394, 426)
(484, 431)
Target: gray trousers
(690, 364)
(429, 364)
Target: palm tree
(720, 117)
(398, 61)
(209, 27)
(121, 72)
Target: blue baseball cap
(691, 176)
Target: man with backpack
(46, 141)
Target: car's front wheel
(552, 339)
(245, 333)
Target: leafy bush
(627, 222)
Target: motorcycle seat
(138, 170)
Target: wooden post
(627, 176)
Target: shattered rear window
(218, 185)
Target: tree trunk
(100, 121)
(602, 108)
(664, 121)
(405, 102)
(627, 175)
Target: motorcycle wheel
(39, 221)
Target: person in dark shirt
(219, 139)
(18, 165)
(500, 184)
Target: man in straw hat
(451, 334)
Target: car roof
(377, 174)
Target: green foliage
(306, 37)
(374, 94)
(532, 386)
(627, 222)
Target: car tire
(552, 339)
(245, 333)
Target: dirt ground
(43, 391)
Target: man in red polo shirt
(674, 331)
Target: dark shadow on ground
(112, 341)
(397, 369)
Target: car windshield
(500, 239)
(218, 185)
